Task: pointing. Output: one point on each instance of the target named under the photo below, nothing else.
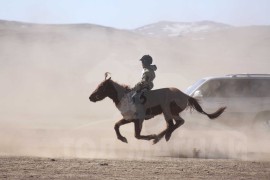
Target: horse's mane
(126, 87)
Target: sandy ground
(161, 168)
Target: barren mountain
(174, 29)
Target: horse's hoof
(155, 141)
(123, 139)
(168, 136)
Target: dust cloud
(47, 73)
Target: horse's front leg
(138, 128)
(116, 127)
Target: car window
(194, 86)
(236, 88)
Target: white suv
(247, 97)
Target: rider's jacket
(147, 78)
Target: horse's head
(103, 90)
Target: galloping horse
(169, 101)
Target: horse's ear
(106, 76)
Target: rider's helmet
(146, 60)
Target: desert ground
(162, 168)
(194, 152)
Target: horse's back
(164, 96)
(170, 90)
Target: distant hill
(173, 29)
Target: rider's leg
(136, 97)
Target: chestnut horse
(167, 101)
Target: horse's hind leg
(160, 135)
(178, 122)
(138, 128)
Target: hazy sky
(128, 14)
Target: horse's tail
(193, 104)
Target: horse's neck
(120, 90)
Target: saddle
(139, 97)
